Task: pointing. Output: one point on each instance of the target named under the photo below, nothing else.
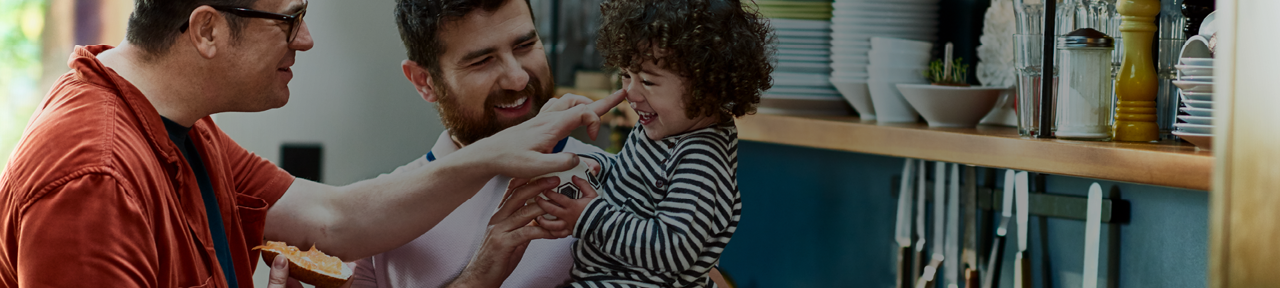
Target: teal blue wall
(822, 218)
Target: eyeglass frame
(293, 20)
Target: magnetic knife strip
(1048, 205)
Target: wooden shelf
(1167, 163)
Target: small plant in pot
(948, 72)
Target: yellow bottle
(1136, 84)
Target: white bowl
(857, 94)
(1199, 104)
(896, 72)
(892, 56)
(951, 106)
(889, 104)
(896, 44)
(1202, 61)
(1193, 128)
(1194, 86)
(1196, 47)
(1196, 119)
(1201, 96)
(1188, 70)
(1205, 79)
(1204, 141)
(1201, 112)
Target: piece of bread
(311, 266)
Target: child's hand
(566, 210)
(591, 163)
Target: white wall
(349, 94)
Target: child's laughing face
(657, 95)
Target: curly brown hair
(719, 47)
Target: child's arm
(699, 206)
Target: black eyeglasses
(246, 12)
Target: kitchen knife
(969, 252)
(1092, 236)
(1022, 268)
(952, 268)
(939, 209)
(902, 230)
(992, 279)
(918, 262)
(930, 273)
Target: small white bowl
(1196, 47)
(1193, 128)
(1196, 119)
(1201, 61)
(1205, 79)
(1199, 104)
(889, 104)
(1198, 96)
(1194, 86)
(1188, 70)
(1200, 112)
(896, 44)
(951, 106)
(858, 96)
(1203, 141)
(896, 72)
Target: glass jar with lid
(1085, 107)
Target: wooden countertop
(1168, 163)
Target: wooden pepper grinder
(1136, 85)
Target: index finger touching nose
(607, 103)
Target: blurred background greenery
(21, 25)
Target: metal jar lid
(1086, 37)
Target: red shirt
(96, 195)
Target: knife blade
(969, 252)
(1022, 269)
(992, 279)
(902, 231)
(1092, 236)
(952, 268)
(918, 262)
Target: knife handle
(1022, 271)
(917, 266)
(930, 273)
(971, 278)
(992, 279)
(904, 267)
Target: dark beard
(467, 128)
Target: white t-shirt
(436, 257)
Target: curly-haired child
(669, 201)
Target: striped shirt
(666, 210)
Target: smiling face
(262, 58)
(494, 72)
(658, 96)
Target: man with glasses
(121, 178)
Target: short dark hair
(719, 47)
(154, 23)
(420, 21)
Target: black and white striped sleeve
(697, 210)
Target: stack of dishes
(854, 22)
(802, 70)
(1195, 83)
(809, 10)
(893, 62)
(1195, 80)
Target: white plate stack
(1195, 83)
(802, 71)
(854, 22)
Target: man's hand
(522, 150)
(566, 210)
(507, 237)
(280, 275)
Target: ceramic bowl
(1197, 111)
(1193, 128)
(1203, 141)
(951, 106)
(1201, 96)
(1196, 119)
(889, 104)
(858, 96)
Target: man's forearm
(375, 215)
